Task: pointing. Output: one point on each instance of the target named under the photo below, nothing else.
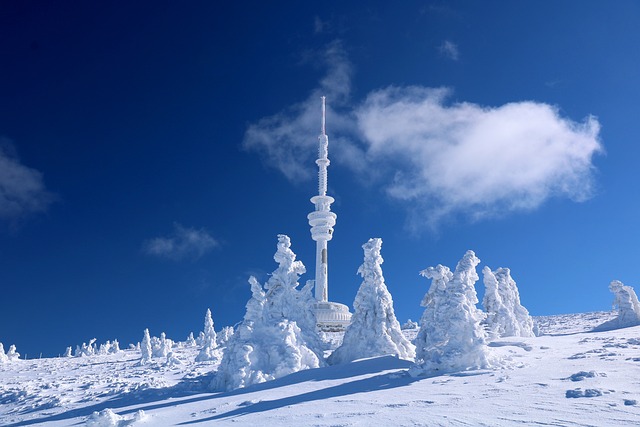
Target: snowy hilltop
(459, 365)
(577, 379)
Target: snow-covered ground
(567, 377)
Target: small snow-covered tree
(225, 335)
(626, 301)
(277, 336)
(506, 317)
(68, 352)
(374, 329)
(161, 346)
(12, 354)
(145, 348)
(3, 356)
(451, 336)
(209, 349)
(191, 341)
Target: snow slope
(567, 377)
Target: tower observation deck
(330, 316)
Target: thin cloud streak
(450, 50)
(285, 140)
(182, 243)
(22, 189)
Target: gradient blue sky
(151, 152)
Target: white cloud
(22, 190)
(450, 50)
(473, 160)
(440, 160)
(182, 243)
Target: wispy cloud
(450, 50)
(22, 190)
(440, 160)
(182, 243)
(285, 140)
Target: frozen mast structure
(330, 316)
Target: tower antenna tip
(324, 114)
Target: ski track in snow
(566, 377)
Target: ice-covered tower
(330, 316)
(322, 219)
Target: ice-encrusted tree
(506, 317)
(12, 354)
(145, 348)
(209, 349)
(374, 329)
(225, 335)
(3, 356)
(277, 336)
(451, 337)
(626, 301)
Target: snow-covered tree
(145, 348)
(451, 336)
(68, 352)
(209, 349)
(506, 317)
(225, 335)
(12, 354)
(191, 341)
(277, 336)
(162, 346)
(626, 301)
(374, 329)
(410, 324)
(3, 356)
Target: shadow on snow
(194, 390)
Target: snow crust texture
(374, 329)
(277, 336)
(506, 317)
(451, 337)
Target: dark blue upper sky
(150, 153)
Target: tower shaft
(322, 219)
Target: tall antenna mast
(324, 115)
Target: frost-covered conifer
(191, 342)
(451, 336)
(161, 346)
(145, 348)
(209, 349)
(410, 324)
(12, 354)
(225, 335)
(626, 301)
(3, 356)
(277, 336)
(374, 329)
(506, 317)
(68, 352)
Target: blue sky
(150, 153)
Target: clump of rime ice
(209, 349)
(506, 317)
(451, 337)
(374, 329)
(277, 336)
(628, 306)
